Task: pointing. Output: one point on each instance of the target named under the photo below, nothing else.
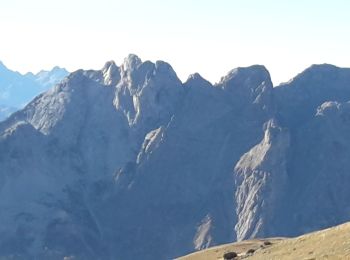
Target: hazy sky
(206, 36)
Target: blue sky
(209, 37)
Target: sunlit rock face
(261, 179)
(128, 161)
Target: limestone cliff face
(261, 179)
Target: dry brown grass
(332, 243)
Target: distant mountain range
(6, 111)
(16, 90)
(128, 162)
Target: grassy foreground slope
(332, 243)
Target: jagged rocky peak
(299, 99)
(73, 80)
(131, 62)
(196, 80)
(317, 72)
(69, 101)
(110, 65)
(164, 67)
(143, 91)
(147, 91)
(111, 73)
(325, 76)
(249, 77)
(249, 85)
(195, 76)
(136, 73)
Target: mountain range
(16, 90)
(128, 162)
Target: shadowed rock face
(129, 161)
(298, 99)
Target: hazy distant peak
(54, 70)
(57, 69)
(17, 89)
(29, 74)
(51, 77)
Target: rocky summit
(128, 162)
